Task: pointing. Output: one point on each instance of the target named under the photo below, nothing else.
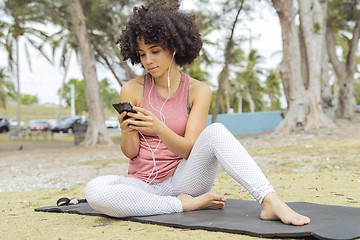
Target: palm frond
(28, 58)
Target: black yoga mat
(242, 217)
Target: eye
(141, 54)
(155, 52)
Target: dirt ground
(321, 167)
(49, 165)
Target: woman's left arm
(199, 99)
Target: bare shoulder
(198, 90)
(197, 87)
(132, 91)
(134, 83)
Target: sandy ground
(322, 167)
(49, 165)
(61, 167)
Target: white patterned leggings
(119, 196)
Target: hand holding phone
(124, 106)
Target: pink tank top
(176, 112)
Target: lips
(152, 69)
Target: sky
(45, 79)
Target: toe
(300, 220)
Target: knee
(91, 186)
(91, 189)
(217, 133)
(216, 127)
(216, 130)
(94, 189)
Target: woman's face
(154, 58)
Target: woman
(173, 157)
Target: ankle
(270, 199)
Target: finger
(142, 110)
(138, 109)
(121, 117)
(124, 125)
(139, 125)
(140, 116)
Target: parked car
(63, 118)
(4, 125)
(52, 122)
(14, 123)
(29, 124)
(112, 122)
(40, 125)
(67, 125)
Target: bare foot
(206, 201)
(273, 208)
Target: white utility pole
(72, 87)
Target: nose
(148, 59)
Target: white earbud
(162, 118)
(169, 70)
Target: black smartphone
(124, 106)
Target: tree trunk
(128, 72)
(102, 55)
(272, 101)
(336, 93)
(227, 94)
(18, 87)
(96, 132)
(326, 96)
(224, 72)
(346, 106)
(302, 84)
(304, 60)
(239, 97)
(290, 69)
(313, 24)
(227, 101)
(250, 99)
(344, 71)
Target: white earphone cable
(162, 118)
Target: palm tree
(96, 132)
(272, 88)
(233, 88)
(104, 31)
(103, 19)
(227, 58)
(237, 92)
(343, 20)
(65, 41)
(250, 82)
(95, 43)
(195, 71)
(7, 88)
(21, 14)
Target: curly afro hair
(159, 23)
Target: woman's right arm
(130, 142)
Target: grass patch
(32, 112)
(47, 137)
(329, 175)
(41, 112)
(37, 137)
(19, 220)
(104, 163)
(350, 146)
